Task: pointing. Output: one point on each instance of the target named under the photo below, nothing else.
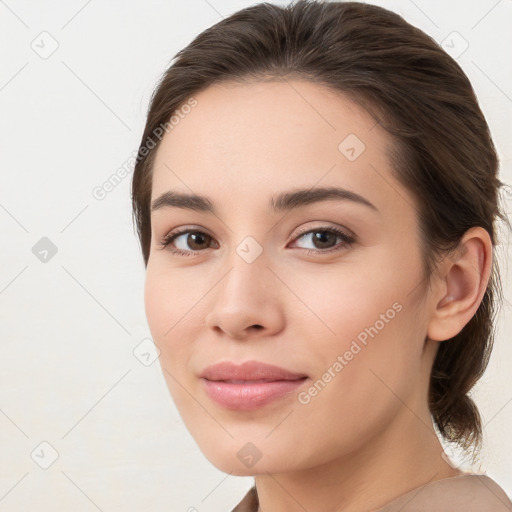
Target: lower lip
(249, 396)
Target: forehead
(249, 139)
(229, 114)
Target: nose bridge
(247, 270)
(243, 296)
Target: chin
(231, 465)
(244, 459)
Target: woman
(323, 368)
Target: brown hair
(443, 152)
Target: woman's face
(275, 285)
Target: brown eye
(196, 240)
(191, 240)
(324, 239)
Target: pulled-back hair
(442, 148)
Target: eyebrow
(285, 201)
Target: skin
(367, 436)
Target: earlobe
(466, 276)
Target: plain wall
(71, 326)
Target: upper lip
(249, 370)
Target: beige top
(462, 493)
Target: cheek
(339, 303)
(166, 300)
(364, 339)
(172, 304)
(163, 311)
(359, 387)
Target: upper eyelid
(302, 232)
(325, 227)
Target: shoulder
(465, 493)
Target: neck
(404, 456)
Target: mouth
(248, 395)
(256, 381)
(248, 371)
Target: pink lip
(250, 385)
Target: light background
(70, 325)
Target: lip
(249, 370)
(249, 385)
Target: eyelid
(345, 234)
(194, 227)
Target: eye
(322, 237)
(195, 238)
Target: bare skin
(367, 436)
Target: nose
(246, 301)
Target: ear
(461, 285)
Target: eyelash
(347, 240)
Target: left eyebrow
(285, 201)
